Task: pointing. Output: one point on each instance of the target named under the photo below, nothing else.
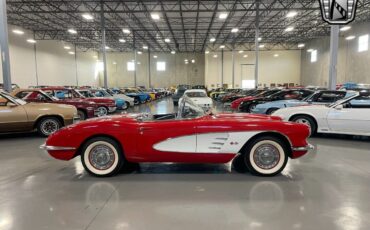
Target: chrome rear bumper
(304, 148)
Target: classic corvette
(262, 144)
(347, 116)
(17, 115)
(318, 98)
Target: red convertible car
(261, 144)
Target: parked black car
(179, 93)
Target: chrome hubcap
(49, 126)
(304, 121)
(101, 157)
(102, 111)
(266, 156)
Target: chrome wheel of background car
(48, 126)
(102, 156)
(266, 156)
(81, 114)
(125, 105)
(303, 119)
(102, 111)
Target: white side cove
(230, 142)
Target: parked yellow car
(17, 115)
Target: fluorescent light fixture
(309, 50)
(88, 16)
(107, 47)
(245, 56)
(222, 46)
(114, 63)
(241, 51)
(192, 60)
(139, 63)
(223, 15)
(259, 39)
(314, 56)
(350, 37)
(291, 14)
(145, 47)
(71, 52)
(215, 56)
(155, 56)
(67, 47)
(289, 29)
(167, 40)
(155, 16)
(72, 31)
(261, 46)
(20, 32)
(206, 52)
(95, 56)
(345, 28)
(301, 45)
(31, 40)
(186, 60)
(139, 52)
(122, 40)
(212, 39)
(126, 31)
(276, 55)
(234, 30)
(173, 52)
(363, 43)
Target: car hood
(305, 108)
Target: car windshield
(11, 98)
(188, 109)
(196, 94)
(86, 93)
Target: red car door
(166, 140)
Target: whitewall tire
(102, 156)
(266, 156)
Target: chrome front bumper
(56, 148)
(304, 148)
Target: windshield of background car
(86, 93)
(188, 109)
(196, 94)
(7, 97)
(268, 93)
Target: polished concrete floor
(327, 189)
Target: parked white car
(347, 116)
(199, 97)
(130, 100)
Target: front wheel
(48, 125)
(125, 105)
(266, 156)
(102, 111)
(102, 157)
(81, 114)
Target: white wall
(279, 70)
(352, 66)
(54, 65)
(177, 72)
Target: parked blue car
(319, 97)
(143, 97)
(120, 103)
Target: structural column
(149, 70)
(103, 44)
(233, 68)
(256, 44)
(4, 47)
(222, 68)
(334, 40)
(135, 61)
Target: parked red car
(262, 144)
(105, 105)
(235, 104)
(85, 109)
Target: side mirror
(339, 107)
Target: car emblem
(338, 11)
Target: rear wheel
(102, 156)
(266, 156)
(125, 105)
(81, 114)
(48, 125)
(303, 119)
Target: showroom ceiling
(183, 26)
